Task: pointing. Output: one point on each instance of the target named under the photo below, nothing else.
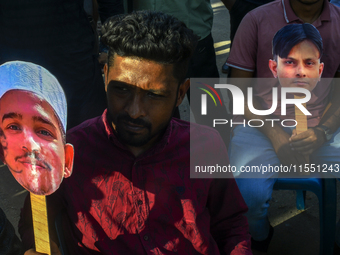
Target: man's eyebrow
(156, 91)
(112, 82)
(159, 91)
(308, 58)
(11, 115)
(43, 120)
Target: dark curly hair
(150, 35)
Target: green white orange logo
(204, 97)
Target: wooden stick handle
(40, 224)
(301, 126)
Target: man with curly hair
(131, 192)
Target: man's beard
(131, 138)
(128, 137)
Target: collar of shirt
(157, 148)
(291, 17)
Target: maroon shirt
(119, 204)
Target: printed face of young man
(301, 68)
(142, 96)
(32, 142)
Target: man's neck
(136, 151)
(308, 13)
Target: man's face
(301, 68)
(142, 96)
(32, 144)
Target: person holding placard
(131, 191)
(297, 50)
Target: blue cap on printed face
(36, 79)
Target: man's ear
(69, 156)
(182, 90)
(2, 156)
(105, 69)
(321, 66)
(273, 67)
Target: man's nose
(135, 107)
(30, 145)
(301, 71)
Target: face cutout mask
(32, 142)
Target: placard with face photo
(297, 49)
(33, 114)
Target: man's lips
(133, 127)
(36, 163)
(301, 83)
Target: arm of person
(228, 3)
(9, 242)
(307, 142)
(109, 8)
(95, 14)
(229, 226)
(278, 137)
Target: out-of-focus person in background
(57, 34)
(237, 10)
(9, 242)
